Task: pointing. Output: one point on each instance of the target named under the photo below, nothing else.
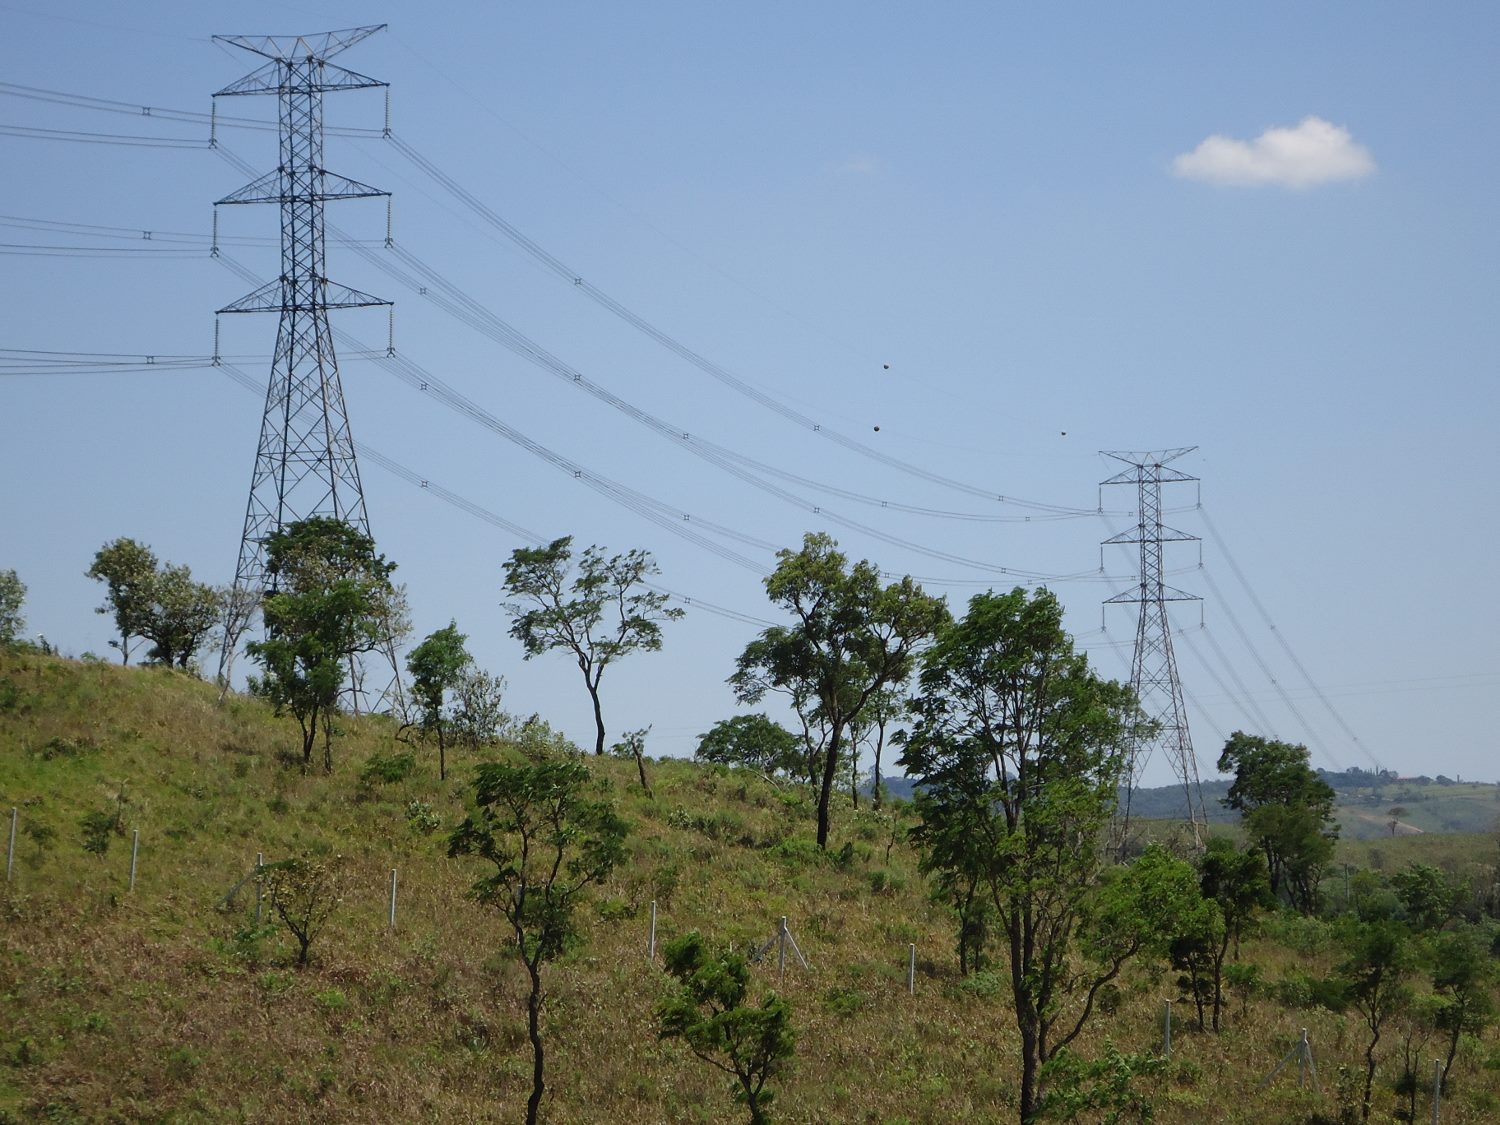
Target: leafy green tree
(710, 1012)
(1428, 897)
(305, 893)
(1017, 747)
(12, 598)
(1287, 809)
(755, 741)
(1236, 882)
(604, 613)
(1463, 980)
(178, 616)
(128, 571)
(333, 600)
(436, 666)
(547, 841)
(1106, 1089)
(1154, 907)
(852, 638)
(1380, 955)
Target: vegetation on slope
(169, 1003)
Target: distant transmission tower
(305, 464)
(1153, 672)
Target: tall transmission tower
(305, 464)
(1153, 671)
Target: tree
(547, 842)
(1017, 747)
(1287, 809)
(1380, 955)
(305, 894)
(756, 742)
(178, 615)
(709, 1012)
(1396, 812)
(1236, 882)
(238, 606)
(12, 598)
(436, 666)
(886, 708)
(479, 717)
(128, 571)
(851, 639)
(604, 613)
(1428, 897)
(332, 600)
(632, 745)
(1463, 980)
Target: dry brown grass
(158, 1005)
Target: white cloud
(1314, 152)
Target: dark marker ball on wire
(877, 429)
(887, 366)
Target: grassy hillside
(168, 1004)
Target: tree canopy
(1017, 747)
(437, 667)
(851, 637)
(605, 612)
(1287, 810)
(330, 599)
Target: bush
(387, 769)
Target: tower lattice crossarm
(305, 463)
(1153, 669)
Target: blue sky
(1009, 236)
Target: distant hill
(1364, 802)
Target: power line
(478, 511)
(1282, 641)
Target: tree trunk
(598, 719)
(442, 755)
(825, 790)
(1031, 1096)
(1369, 1074)
(534, 1031)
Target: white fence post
(911, 968)
(135, 847)
(1167, 1030)
(10, 851)
(393, 899)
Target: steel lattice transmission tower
(305, 464)
(1153, 671)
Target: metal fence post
(10, 850)
(911, 968)
(135, 847)
(260, 862)
(1167, 1030)
(651, 942)
(393, 899)
(1437, 1089)
(781, 950)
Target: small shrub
(331, 1000)
(97, 827)
(388, 769)
(844, 1001)
(616, 909)
(421, 818)
(884, 882)
(985, 985)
